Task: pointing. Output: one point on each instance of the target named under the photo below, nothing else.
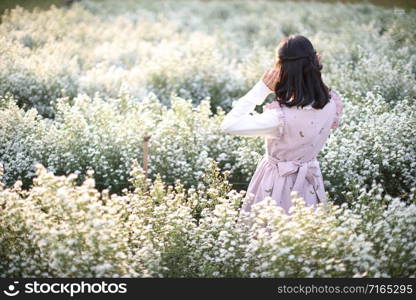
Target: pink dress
(292, 145)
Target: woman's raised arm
(240, 121)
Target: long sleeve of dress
(240, 121)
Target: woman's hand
(270, 78)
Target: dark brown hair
(299, 81)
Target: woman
(295, 125)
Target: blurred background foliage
(44, 4)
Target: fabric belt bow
(306, 171)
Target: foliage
(60, 229)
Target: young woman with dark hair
(295, 125)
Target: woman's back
(290, 162)
(304, 131)
(296, 125)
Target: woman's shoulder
(335, 97)
(339, 107)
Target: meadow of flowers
(60, 229)
(80, 87)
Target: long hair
(299, 80)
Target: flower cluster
(60, 229)
(176, 47)
(171, 54)
(375, 143)
(81, 87)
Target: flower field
(81, 86)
